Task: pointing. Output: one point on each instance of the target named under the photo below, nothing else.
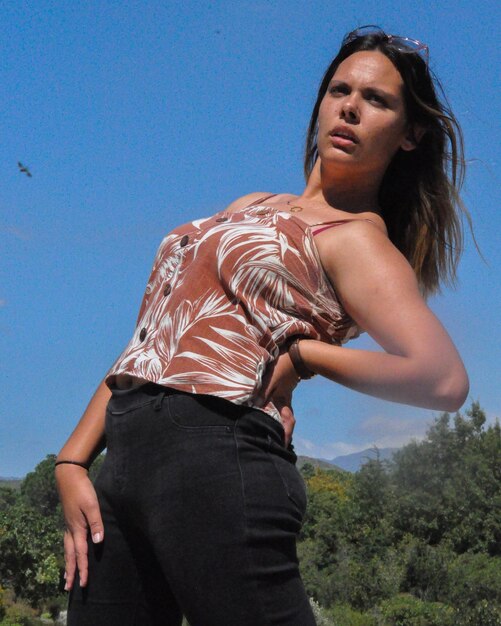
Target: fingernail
(66, 587)
(64, 576)
(97, 537)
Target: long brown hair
(419, 193)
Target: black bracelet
(79, 463)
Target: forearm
(87, 440)
(429, 384)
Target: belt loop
(158, 402)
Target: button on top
(184, 241)
(142, 334)
(222, 219)
(167, 289)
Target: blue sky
(136, 116)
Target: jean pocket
(293, 482)
(195, 413)
(125, 401)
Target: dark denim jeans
(201, 505)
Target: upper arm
(379, 291)
(244, 201)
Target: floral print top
(224, 294)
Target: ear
(412, 138)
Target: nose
(349, 111)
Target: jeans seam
(246, 529)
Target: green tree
(8, 497)
(30, 553)
(448, 487)
(39, 490)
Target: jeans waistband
(123, 399)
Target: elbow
(452, 390)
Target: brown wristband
(79, 463)
(301, 370)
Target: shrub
(20, 614)
(344, 615)
(483, 614)
(475, 577)
(426, 570)
(406, 610)
(2, 603)
(321, 617)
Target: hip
(173, 441)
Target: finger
(288, 422)
(69, 560)
(81, 548)
(95, 522)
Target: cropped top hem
(205, 390)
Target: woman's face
(362, 121)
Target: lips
(345, 134)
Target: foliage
(20, 614)
(482, 614)
(426, 569)
(449, 486)
(38, 489)
(427, 524)
(345, 615)
(474, 578)
(30, 537)
(29, 543)
(321, 618)
(8, 497)
(406, 610)
(31, 524)
(2, 603)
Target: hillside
(321, 463)
(12, 483)
(353, 462)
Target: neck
(353, 194)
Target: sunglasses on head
(402, 44)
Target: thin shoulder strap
(257, 202)
(326, 225)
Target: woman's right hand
(82, 515)
(279, 382)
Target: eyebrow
(392, 98)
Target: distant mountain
(321, 463)
(347, 463)
(353, 462)
(9, 481)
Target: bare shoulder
(244, 201)
(375, 283)
(361, 250)
(352, 238)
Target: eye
(338, 90)
(375, 98)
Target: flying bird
(23, 169)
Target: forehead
(369, 68)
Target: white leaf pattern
(224, 294)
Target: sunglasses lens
(407, 45)
(362, 32)
(403, 44)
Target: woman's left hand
(278, 384)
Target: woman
(198, 502)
